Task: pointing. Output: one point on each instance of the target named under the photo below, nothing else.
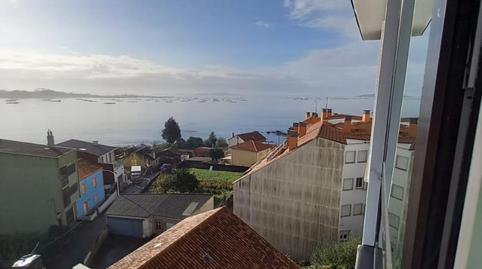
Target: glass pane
(398, 198)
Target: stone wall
(293, 202)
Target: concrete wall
(94, 195)
(30, 191)
(293, 202)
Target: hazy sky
(201, 46)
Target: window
(344, 234)
(362, 156)
(159, 225)
(83, 189)
(359, 184)
(346, 210)
(85, 206)
(67, 170)
(401, 162)
(393, 220)
(350, 156)
(348, 184)
(397, 192)
(94, 182)
(358, 209)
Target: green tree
(221, 143)
(216, 154)
(211, 140)
(181, 181)
(171, 132)
(340, 255)
(194, 142)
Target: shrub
(340, 255)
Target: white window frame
(361, 153)
(362, 183)
(344, 235)
(361, 211)
(394, 194)
(351, 185)
(354, 156)
(341, 210)
(397, 162)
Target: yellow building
(248, 153)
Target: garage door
(124, 226)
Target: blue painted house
(91, 188)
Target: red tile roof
(255, 135)
(213, 239)
(87, 168)
(253, 146)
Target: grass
(205, 174)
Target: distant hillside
(42, 93)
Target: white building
(311, 190)
(236, 139)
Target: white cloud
(264, 24)
(334, 15)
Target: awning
(370, 15)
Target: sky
(269, 47)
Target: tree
(211, 140)
(194, 142)
(171, 132)
(181, 181)
(336, 255)
(221, 143)
(216, 154)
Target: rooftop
(23, 148)
(255, 135)
(87, 168)
(173, 205)
(253, 146)
(89, 147)
(213, 239)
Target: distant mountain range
(42, 93)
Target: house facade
(244, 137)
(310, 190)
(102, 154)
(145, 215)
(248, 153)
(91, 190)
(44, 174)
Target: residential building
(144, 215)
(91, 187)
(102, 154)
(213, 239)
(143, 156)
(43, 183)
(244, 137)
(311, 189)
(249, 152)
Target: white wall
(355, 196)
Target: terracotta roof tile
(255, 135)
(214, 239)
(253, 146)
(87, 168)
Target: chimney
(95, 142)
(301, 129)
(232, 134)
(366, 116)
(50, 138)
(347, 125)
(292, 139)
(326, 115)
(307, 115)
